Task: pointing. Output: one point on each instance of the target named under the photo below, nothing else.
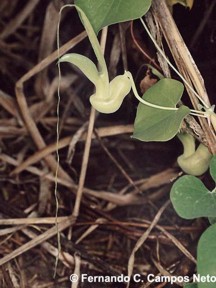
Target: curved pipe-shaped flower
(108, 97)
(109, 101)
(193, 161)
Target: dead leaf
(186, 3)
(146, 83)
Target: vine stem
(129, 75)
(133, 86)
(103, 68)
(171, 65)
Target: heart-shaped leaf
(191, 199)
(105, 12)
(152, 124)
(212, 220)
(206, 257)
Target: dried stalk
(185, 63)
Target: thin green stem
(198, 111)
(57, 150)
(133, 86)
(198, 115)
(170, 64)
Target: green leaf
(191, 285)
(152, 124)
(84, 64)
(105, 12)
(212, 220)
(191, 199)
(206, 256)
(213, 168)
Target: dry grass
(112, 191)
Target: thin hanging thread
(57, 145)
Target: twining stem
(129, 75)
(204, 114)
(133, 86)
(198, 112)
(170, 64)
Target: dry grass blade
(45, 194)
(9, 104)
(90, 229)
(87, 145)
(121, 200)
(164, 272)
(32, 221)
(77, 136)
(11, 230)
(102, 132)
(12, 279)
(19, 19)
(37, 240)
(84, 163)
(77, 259)
(48, 38)
(185, 64)
(143, 238)
(64, 257)
(29, 121)
(115, 184)
(178, 244)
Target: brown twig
(185, 64)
